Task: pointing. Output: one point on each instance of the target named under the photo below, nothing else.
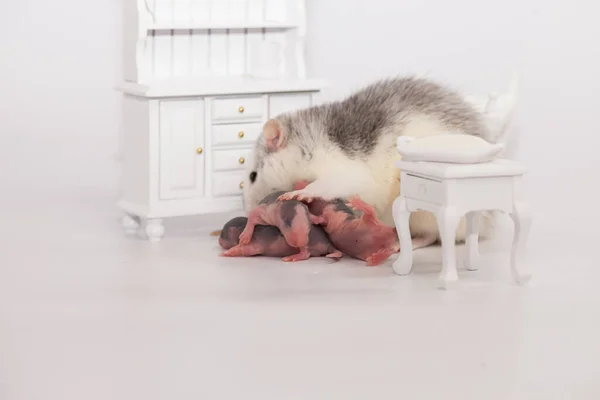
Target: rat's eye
(252, 176)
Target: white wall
(554, 44)
(59, 60)
(58, 112)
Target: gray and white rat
(348, 148)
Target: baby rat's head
(279, 159)
(230, 235)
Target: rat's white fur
(375, 180)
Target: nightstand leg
(155, 229)
(472, 241)
(522, 219)
(404, 262)
(448, 220)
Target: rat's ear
(274, 135)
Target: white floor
(86, 313)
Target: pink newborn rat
(292, 217)
(268, 241)
(364, 237)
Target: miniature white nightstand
(451, 191)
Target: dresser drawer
(227, 183)
(227, 160)
(237, 108)
(236, 133)
(424, 189)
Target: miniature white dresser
(201, 79)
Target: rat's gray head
(280, 157)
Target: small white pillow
(454, 148)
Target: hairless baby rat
(364, 237)
(292, 217)
(269, 241)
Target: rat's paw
(378, 257)
(245, 237)
(356, 203)
(232, 252)
(301, 256)
(288, 196)
(369, 216)
(317, 220)
(241, 250)
(300, 195)
(353, 202)
(335, 255)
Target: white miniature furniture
(201, 79)
(451, 191)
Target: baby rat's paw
(336, 255)
(243, 251)
(369, 215)
(357, 204)
(378, 257)
(354, 202)
(245, 237)
(233, 252)
(300, 195)
(317, 220)
(301, 256)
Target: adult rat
(348, 148)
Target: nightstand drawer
(237, 108)
(236, 133)
(227, 183)
(424, 189)
(227, 160)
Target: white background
(59, 116)
(88, 314)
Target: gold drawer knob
(242, 160)
(199, 150)
(241, 185)
(241, 134)
(241, 109)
